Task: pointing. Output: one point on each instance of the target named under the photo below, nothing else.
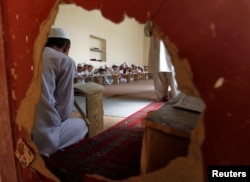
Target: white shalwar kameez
(53, 129)
(161, 68)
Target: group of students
(86, 72)
(55, 128)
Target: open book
(191, 103)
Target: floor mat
(114, 153)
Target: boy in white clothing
(54, 129)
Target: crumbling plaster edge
(26, 113)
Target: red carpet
(114, 153)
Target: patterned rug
(114, 153)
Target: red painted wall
(213, 35)
(21, 22)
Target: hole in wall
(80, 45)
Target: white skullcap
(79, 65)
(58, 33)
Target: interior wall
(124, 41)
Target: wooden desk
(128, 77)
(98, 79)
(142, 76)
(166, 136)
(116, 79)
(136, 76)
(94, 105)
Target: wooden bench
(166, 136)
(94, 105)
